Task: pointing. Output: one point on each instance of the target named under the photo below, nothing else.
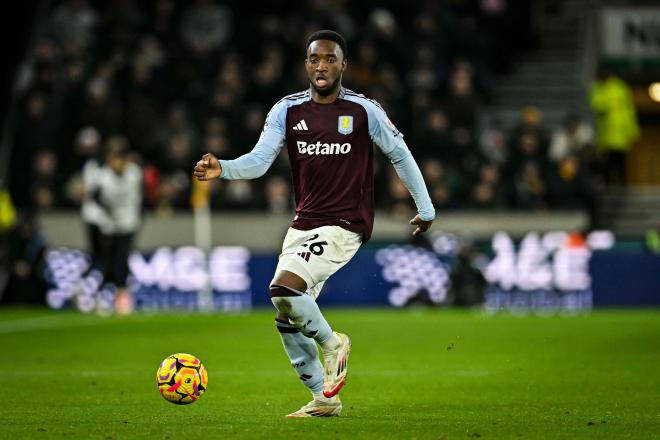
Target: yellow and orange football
(181, 378)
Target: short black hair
(326, 34)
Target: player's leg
(298, 282)
(303, 354)
(289, 296)
(304, 314)
(302, 350)
(304, 357)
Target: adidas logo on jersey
(324, 149)
(304, 255)
(301, 126)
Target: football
(181, 378)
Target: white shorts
(316, 254)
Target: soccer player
(329, 133)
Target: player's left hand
(422, 225)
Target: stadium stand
(181, 78)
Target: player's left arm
(390, 141)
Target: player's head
(325, 61)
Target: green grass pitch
(414, 374)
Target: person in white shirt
(113, 209)
(573, 138)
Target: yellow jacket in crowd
(616, 119)
(7, 211)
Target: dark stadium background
(482, 90)
(528, 311)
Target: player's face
(324, 64)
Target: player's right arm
(255, 163)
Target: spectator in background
(493, 144)
(113, 209)
(387, 81)
(27, 248)
(570, 184)
(143, 108)
(530, 124)
(92, 212)
(41, 65)
(238, 195)
(432, 139)
(385, 32)
(35, 131)
(45, 180)
(488, 191)
(278, 196)
(74, 21)
(83, 187)
(205, 27)
(216, 143)
(468, 285)
(250, 128)
(266, 80)
(123, 22)
(163, 21)
(227, 91)
(424, 76)
(399, 202)
(364, 68)
(7, 221)
(443, 183)
(101, 109)
(652, 240)
(428, 29)
(87, 146)
(178, 124)
(174, 182)
(75, 71)
(616, 123)
(573, 138)
(527, 166)
(462, 106)
(529, 188)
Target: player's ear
(344, 63)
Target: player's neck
(326, 99)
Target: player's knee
(281, 296)
(276, 291)
(290, 280)
(282, 304)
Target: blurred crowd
(175, 79)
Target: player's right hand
(208, 168)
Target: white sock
(305, 315)
(304, 356)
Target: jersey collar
(342, 92)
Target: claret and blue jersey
(330, 149)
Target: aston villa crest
(345, 124)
